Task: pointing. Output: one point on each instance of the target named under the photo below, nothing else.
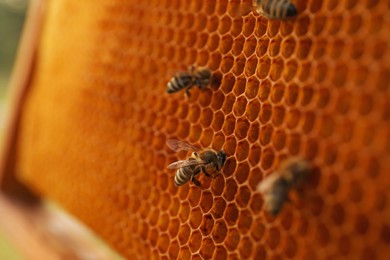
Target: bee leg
(208, 174)
(216, 166)
(205, 172)
(195, 181)
(187, 93)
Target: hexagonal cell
(293, 143)
(184, 253)
(241, 130)
(354, 24)
(257, 229)
(207, 225)
(195, 133)
(267, 159)
(232, 239)
(224, 25)
(254, 177)
(304, 71)
(195, 241)
(219, 231)
(254, 155)
(236, 28)
(253, 109)
(273, 28)
(245, 247)
(153, 236)
(195, 218)
(263, 67)
(249, 25)
(219, 208)
(144, 229)
(163, 222)
(207, 248)
(163, 243)
(262, 47)
(220, 253)
(206, 137)
(240, 106)
(242, 150)
(173, 250)
(227, 63)
(230, 190)
(183, 130)
(302, 25)
(293, 117)
(206, 202)
(230, 164)
(239, 65)
(202, 58)
(144, 210)
(184, 234)
(273, 237)
(243, 196)
(304, 48)
(245, 221)
(266, 134)
(242, 172)
(231, 214)
(218, 141)
(173, 227)
(252, 88)
(228, 103)
(174, 207)
(253, 132)
(184, 212)
(205, 98)
(340, 75)
(277, 93)
(265, 113)
(290, 70)
(214, 61)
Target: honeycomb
(97, 117)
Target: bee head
(221, 157)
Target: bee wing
(266, 185)
(184, 163)
(177, 145)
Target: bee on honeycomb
(276, 187)
(195, 76)
(275, 9)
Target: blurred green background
(12, 15)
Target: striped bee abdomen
(180, 81)
(185, 174)
(276, 9)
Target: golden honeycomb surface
(95, 123)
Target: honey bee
(196, 76)
(207, 161)
(275, 9)
(276, 187)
